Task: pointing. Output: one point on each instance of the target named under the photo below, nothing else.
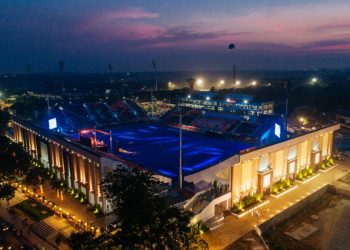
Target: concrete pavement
(234, 228)
(17, 221)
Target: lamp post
(302, 121)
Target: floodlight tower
(154, 65)
(287, 84)
(61, 69)
(232, 46)
(180, 151)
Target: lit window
(266, 181)
(292, 167)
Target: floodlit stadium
(224, 157)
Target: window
(292, 167)
(266, 181)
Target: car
(26, 247)
(4, 226)
(16, 232)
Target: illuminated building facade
(251, 170)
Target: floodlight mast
(287, 84)
(180, 152)
(232, 46)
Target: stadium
(224, 156)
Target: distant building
(232, 103)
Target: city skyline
(182, 35)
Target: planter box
(328, 169)
(250, 209)
(308, 179)
(284, 192)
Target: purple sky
(179, 35)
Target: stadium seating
(73, 116)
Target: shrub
(281, 185)
(327, 163)
(96, 209)
(246, 202)
(305, 173)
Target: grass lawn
(34, 210)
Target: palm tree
(59, 186)
(36, 177)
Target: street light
(254, 83)
(302, 121)
(238, 82)
(245, 101)
(222, 82)
(314, 80)
(207, 98)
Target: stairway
(43, 230)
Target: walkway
(74, 207)
(17, 221)
(234, 228)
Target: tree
(82, 241)
(7, 192)
(145, 219)
(4, 120)
(36, 176)
(14, 160)
(59, 186)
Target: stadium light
(314, 80)
(189, 96)
(207, 98)
(245, 101)
(171, 85)
(254, 83)
(238, 82)
(222, 82)
(200, 82)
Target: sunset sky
(178, 34)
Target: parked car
(4, 226)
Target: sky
(177, 34)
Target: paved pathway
(18, 223)
(234, 228)
(74, 207)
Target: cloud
(127, 13)
(110, 18)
